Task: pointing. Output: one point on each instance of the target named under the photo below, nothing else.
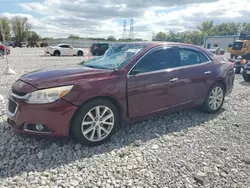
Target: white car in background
(64, 50)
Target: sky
(103, 18)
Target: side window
(216, 45)
(189, 57)
(157, 60)
(203, 58)
(64, 46)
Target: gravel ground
(186, 149)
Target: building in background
(223, 42)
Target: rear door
(196, 72)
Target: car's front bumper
(55, 117)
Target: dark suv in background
(99, 48)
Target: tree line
(207, 28)
(18, 29)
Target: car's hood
(62, 75)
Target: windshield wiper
(91, 66)
(96, 67)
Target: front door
(152, 83)
(195, 73)
(65, 49)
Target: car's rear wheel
(95, 122)
(246, 77)
(214, 98)
(57, 53)
(80, 53)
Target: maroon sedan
(131, 81)
(2, 49)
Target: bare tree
(20, 28)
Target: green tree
(73, 37)
(245, 28)
(6, 28)
(111, 38)
(206, 27)
(33, 37)
(161, 36)
(47, 38)
(20, 28)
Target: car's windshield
(117, 56)
(237, 45)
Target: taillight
(231, 63)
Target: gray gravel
(187, 149)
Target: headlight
(48, 95)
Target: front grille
(12, 106)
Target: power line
(124, 34)
(131, 31)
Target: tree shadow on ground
(22, 153)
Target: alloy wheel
(98, 123)
(216, 98)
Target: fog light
(39, 127)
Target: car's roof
(156, 43)
(160, 43)
(99, 43)
(63, 44)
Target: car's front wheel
(214, 99)
(80, 53)
(95, 122)
(1, 53)
(57, 53)
(246, 76)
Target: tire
(206, 107)
(247, 57)
(82, 114)
(80, 53)
(1, 53)
(246, 77)
(237, 70)
(57, 53)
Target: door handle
(174, 79)
(207, 72)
